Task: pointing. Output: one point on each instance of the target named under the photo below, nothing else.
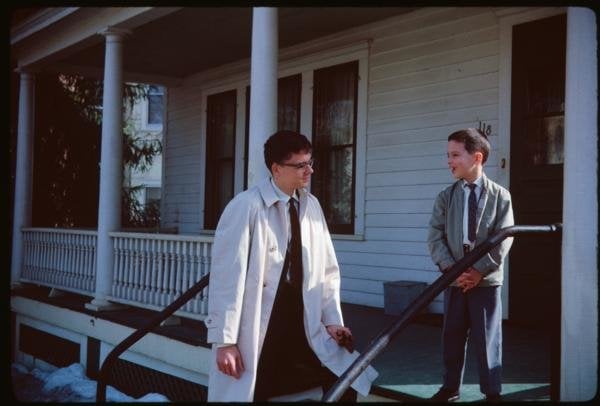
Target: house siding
(430, 72)
(183, 180)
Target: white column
(263, 89)
(111, 167)
(579, 324)
(24, 172)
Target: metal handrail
(141, 332)
(380, 342)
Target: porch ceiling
(193, 39)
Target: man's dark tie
(472, 211)
(295, 248)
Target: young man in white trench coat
(274, 315)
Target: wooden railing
(60, 258)
(152, 270)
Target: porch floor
(410, 369)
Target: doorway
(536, 177)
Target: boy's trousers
(477, 316)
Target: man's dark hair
(475, 141)
(281, 145)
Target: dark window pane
(339, 190)
(220, 150)
(155, 105)
(288, 111)
(288, 103)
(334, 139)
(225, 185)
(544, 140)
(545, 92)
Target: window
(220, 152)
(288, 111)
(335, 91)
(152, 195)
(155, 106)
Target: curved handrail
(379, 343)
(134, 337)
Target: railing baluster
(147, 268)
(159, 272)
(185, 270)
(88, 241)
(205, 267)
(197, 275)
(116, 267)
(178, 276)
(94, 263)
(128, 268)
(152, 279)
(137, 269)
(172, 269)
(79, 280)
(165, 275)
(71, 250)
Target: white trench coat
(247, 260)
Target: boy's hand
(469, 279)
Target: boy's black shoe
(493, 398)
(445, 395)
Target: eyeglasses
(300, 165)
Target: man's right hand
(229, 361)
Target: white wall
(182, 160)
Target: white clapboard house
(377, 90)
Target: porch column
(263, 89)
(579, 324)
(111, 167)
(23, 173)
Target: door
(536, 178)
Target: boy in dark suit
(464, 215)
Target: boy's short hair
(474, 140)
(281, 145)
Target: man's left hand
(342, 335)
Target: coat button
(264, 285)
(272, 249)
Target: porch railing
(60, 258)
(152, 270)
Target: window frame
(295, 60)
(355, 52)
(146, 110)
(211, 160)
(341, 229)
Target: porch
(409, 370)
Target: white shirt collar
(281, 195)
(478, 182)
